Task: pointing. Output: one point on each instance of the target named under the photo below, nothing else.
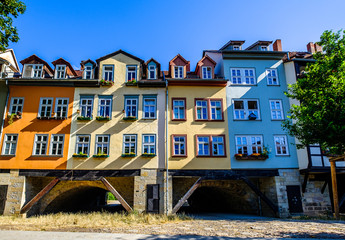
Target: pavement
(37, 235)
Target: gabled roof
(82, 63)
(260, 42)
(152, 60)
(119, 52)
(232, 42)
(64, 62)
(179, 56)
(34, 57)
(14, 66)
(206, 56)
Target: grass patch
(90, 221)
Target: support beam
(304, 185)
(262, 196)
(324, 187)
(186, 196)
(116, 194)
(41, 194)
(335, 190)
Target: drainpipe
(5, 110)
(166, 147)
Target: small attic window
(60, 71)
(152, 72)
(236, 47)
(206, 72)
(88, 72)
(264, 48)
(178, 71)
(33, 70)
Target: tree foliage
(9, 9)
(320, 117)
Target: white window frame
(180, 71)
(102, 143)
(264, 48)
(150, 105)
(274, 111)
(149, 144)
(60, 71)
(13, 144)
(83, 144)
(46, 105)
(249, 144)
(151, 68)
(217, 109)
(34, 69)
(236, 47)
(131, 136)
(207, 72)
(201, 108)
(179, 108)
(217, 143)
(108, 71)
(131, 72)
(107, 104)
(179, 143)
(86, 70)
(86, 106)
(62, 106)
(131, 105)
(242, 78)
(270, 77)
(203, 140)
(281, 145)
(59, 144)
(17, 105)
(40, 143)
(246, 109)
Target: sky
(78, 30)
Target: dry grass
(95, 220)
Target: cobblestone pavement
(222, 225)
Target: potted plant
(130, 118)
(131, 154)
(84, 118)
(80, 155)
(131, 82)
(101, 118)
(101, 154)
(148, 154)
(106, 82)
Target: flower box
(130, 118)
(106, 83)
(128, 155)
(100, 156)
(81, 118)
(80, 155)
(132, 82)
(100, 118)
(149, 155)
(254, 156)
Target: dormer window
(108, 72)
(60, 71)
(88, 72)
(178, 71)
(131, 73)
(152, 72)
(33, 70)
(236, 47)
(264, 48)
(206, 72)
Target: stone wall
(314, 202)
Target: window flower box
(132, 82)
(254, 156)
(132, 154)
(100, 156)
(80, 155)
(148, 155)
(106, 83)
(130, 118)
(101, 118)
(81, 118)
(13, 116)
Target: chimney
(311, 47)
(277, 45)
(318, 48)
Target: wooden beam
(186, 196)
(324, 187)
(304, 185)
(262, 196)
(116, 194)
(39, 195)
(335, 190)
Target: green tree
(320, 117)
(9, 9)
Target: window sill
(106, 83)
(273, 85)
(251, 157)
(248, 120)
(130, 119)
(287, 155)
(149, 118)
(131, 83)
(101, 156)
(99, 118)
(84, 118)
(209, 120)
(128, 155)
(242, 85)
(277, 120)
(148, 155)
(210, 156)
(180, 120)
(179, 156)
(80, 155)
(7, 155)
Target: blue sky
(78, 30)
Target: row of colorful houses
(158, 139)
